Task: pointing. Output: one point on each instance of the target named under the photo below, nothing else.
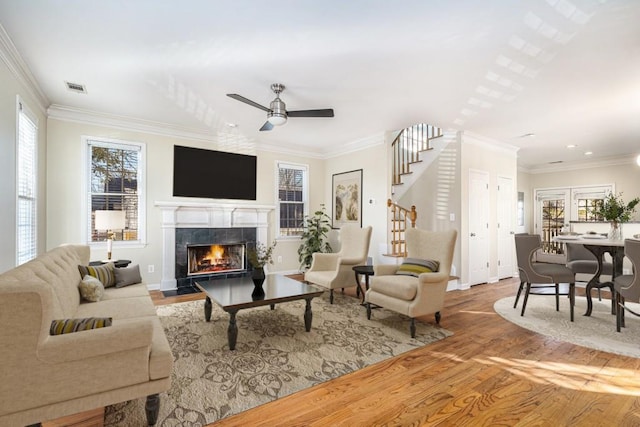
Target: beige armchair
(335, 270)
(410, 295)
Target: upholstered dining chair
(542, 278)
(407, 290)
(581, 260)
(627, 286)
(335, 270)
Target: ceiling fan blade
(311, 113)
(266, 126)
(247, 101)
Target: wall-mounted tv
(213, 174)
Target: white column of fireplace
(205, 215)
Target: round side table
(366, 270)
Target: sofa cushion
(91, 289)
(118, 308)
(399, 286)
(415, 267)
(65, 326)
(137, 290)
(104, 273)
(126, 276)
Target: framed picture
(347, 198)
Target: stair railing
(401, 219)
(407, 146)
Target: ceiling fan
(277, 113)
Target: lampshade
(277, 119)
(109, 220)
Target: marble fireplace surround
(205, 215)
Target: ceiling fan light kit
(277, 113)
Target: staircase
(406, 148)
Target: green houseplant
(613, 209)
(314, 237)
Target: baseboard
(153, 286)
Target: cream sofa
(45, 377)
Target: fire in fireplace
(215, 258)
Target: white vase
(615, 232)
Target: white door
(478, 227)
(506, 245)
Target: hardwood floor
(489, 373)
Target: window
(115, 183)
(587, 208)
(292, 199)
(27, 178)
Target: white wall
(373, 162)
(66, 218)
(480, 154)
(10, 88)
(624, 176)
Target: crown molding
(357, 145)
(489, 144)
(19, 69)
(605, 162)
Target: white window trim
(305, 194)
(142, 192)
(571, 194)
(22, 106)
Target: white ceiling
(567, 71)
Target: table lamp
(109, 221)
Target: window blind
(27, 170)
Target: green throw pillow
(65, 326)
(105, 273)
(91, 289)
(415, 266)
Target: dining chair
(581, 260)
(542, 278)
(627, 286)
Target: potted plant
(314, 237)
(613, 209)
(260, 255)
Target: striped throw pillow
(65, 326)
(105, 273)
(415, 266)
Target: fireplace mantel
(205, 215)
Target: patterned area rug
(597, 331)
(274, 355)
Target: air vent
(76, 87)
(556, 162)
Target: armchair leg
(619, 311)
(331, 296)
(557, 297)
(152, 408)
(368, 311)
(35, 425)
(437, 317)
(412, 327)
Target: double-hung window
(27, 179)
(116, 183)
(292, 198)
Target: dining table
(599, 245)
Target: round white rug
(597, 331)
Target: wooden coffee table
(233, 295)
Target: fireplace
(211, 253)
(197, 223)
(215, 258)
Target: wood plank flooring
(489, 373)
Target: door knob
(473, 234)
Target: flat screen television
(213, 174)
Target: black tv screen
(213, 174)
